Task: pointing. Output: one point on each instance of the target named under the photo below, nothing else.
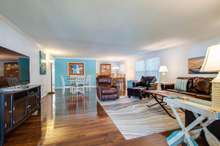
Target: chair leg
(63, 90)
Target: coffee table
(159, 95)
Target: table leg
(160, 103)
(186, 130)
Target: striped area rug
(134, 119)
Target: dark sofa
(198, 87)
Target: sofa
(199, 87)
(146, 82)
(105, 89)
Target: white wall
(130, 68)
(177, 59)
(12, 38)
(113, 63)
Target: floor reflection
(58, 112)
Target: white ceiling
(106, 28)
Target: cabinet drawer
(19, 110)
(31, 103)
(8, 113)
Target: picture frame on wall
(76, 69)
(43, 64)
(195, 64)
(105, 69)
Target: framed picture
(75, 69)
(195, 64)
(105, 69)
(43, 65)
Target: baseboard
(57, 88)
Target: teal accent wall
(24, 67)
(61, 66)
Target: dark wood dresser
(16, 105)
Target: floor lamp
(212, 64)
(163, 70)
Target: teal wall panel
(61, 66)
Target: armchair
(146, 82)
(105, 90)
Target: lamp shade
(163, 69)
(212, 59)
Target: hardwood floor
(67, 120)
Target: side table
(165, 86)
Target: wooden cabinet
(120, 82)
(16, 106)
(19, 109)
(7, 113)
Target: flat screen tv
(14, 68)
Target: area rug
(135, 119)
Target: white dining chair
(65, 85)
(80, 85)
(88, 81)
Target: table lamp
(212, 64)
(163, 69)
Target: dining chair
(80, 84)
(65, 85)
(88, 81)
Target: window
(140, 66)
(152, 67)
(148, 67)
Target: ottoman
(136, 92)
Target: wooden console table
(16, 105)
(121, 83)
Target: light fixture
(212, 64)
(163, 69)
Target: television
(14, 68)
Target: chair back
(104, 81)
(62, 81)
(88, 80)
(148, 79)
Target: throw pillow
(181, 84)
(202, 85)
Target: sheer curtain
(152, 67)
(148, 67)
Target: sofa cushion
(183, 92)
(109, 90)
(181, 84)
(109, 97)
